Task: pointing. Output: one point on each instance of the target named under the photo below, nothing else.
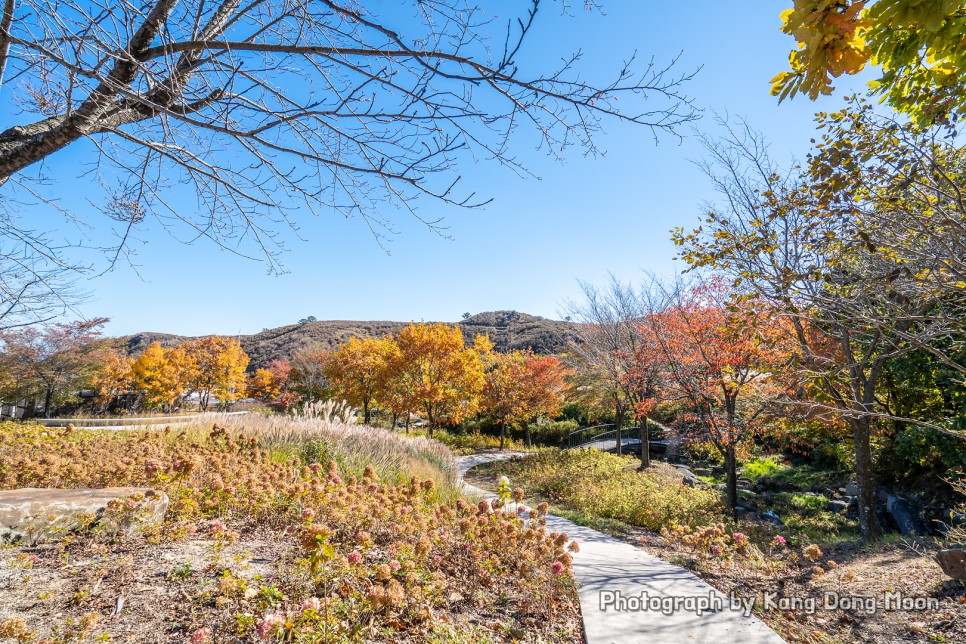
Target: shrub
(759, 467)
(609, 486)
(552, 433)
(927, 447)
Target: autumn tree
(356, 370)
(806, 242)
(397, 385)
(50, 362)
(111, 377)
(307, 376)
(646, 366)
(162, 375)
(723, 359)
(219, 369)
(264, 385)
(917, 45)
(602, 355)
(505, 397)
(446, 376)
(334, 105)
(545, 387)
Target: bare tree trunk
(409, 418)
(527, 437)
(48, 398)
(366, 413)
(645, 444)
(395, 417)
(731, 467)
(502, 434)
(619, 424)
(868, 519)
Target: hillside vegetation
(508, 330)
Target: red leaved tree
(723, 358)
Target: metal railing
(601, 436)
(587, 434)
(132, 422)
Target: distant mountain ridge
(508, 330)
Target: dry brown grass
(395, 457)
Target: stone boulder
(905, 516)
(42, 515)
(837, 506)
(953, 562)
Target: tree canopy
(917, 45)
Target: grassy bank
(602, 486)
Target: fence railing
(124, 421)
(605, 436)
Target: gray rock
(744, 482)
(837, 506)
(953, 562)
(721, 487)
(702, 471)
(905, 516)
(770, 517)
(852, 489)
(42, 515)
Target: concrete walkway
(608, 571)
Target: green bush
(927, 447)
(704, 451)
(552, 433)
(609, 486)
(759, 467)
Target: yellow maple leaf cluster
(831, 42)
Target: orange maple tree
(444, 376)
(112, 377)
(723, 357)
(520, 386)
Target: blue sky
(527, 249)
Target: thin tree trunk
(395, 417)
(409, 418)
(620, 423)
(502, 434)
(645, 444)
(868, 519)
(731, 467)
(366, 414)
(48, 398)
(528, 438)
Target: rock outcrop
(41, 515)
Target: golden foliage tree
(162, 375)
(219, 369)
(264, 385)
(356, 371)
(446, 377)
(112, 377)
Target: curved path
(608, 570)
